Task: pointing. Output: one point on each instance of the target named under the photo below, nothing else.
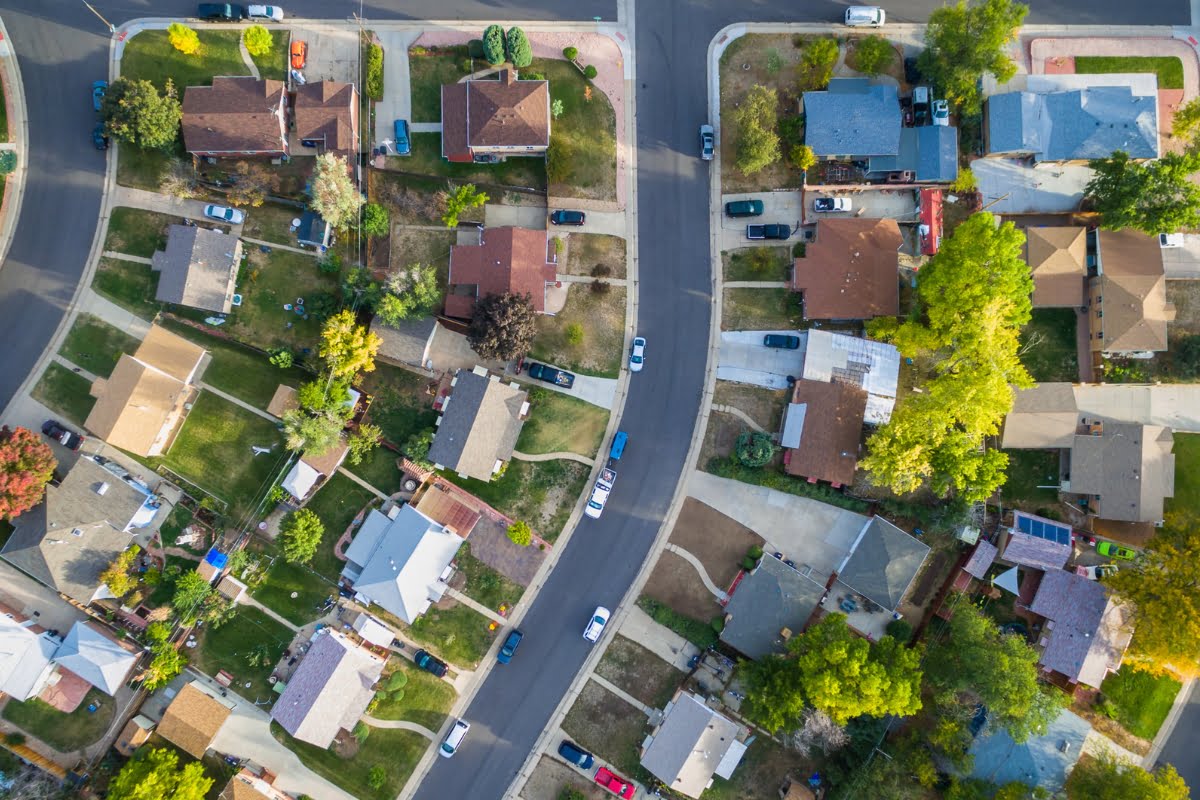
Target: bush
(899, 630)
(14, 739)
(798, 250)
(749, 563)
(574, 333)
(518, 49)
(282, 357)
(475, 48)
(559, 246)
(601, 271)
(965, 183)
(816, 65)
(259, 41)
(758, 120)
(377, 777)
(558, 161)
(754, 449)
(533, 76)
(520, 534)
(374, 220)
(718, 623)
(755, 552)
(802, 157)
(874, 54)
(493, 45)
(590, 72)
(701, 634)
(599, 287)
(569, 53)
(8, 161)
(1186, 357)
(375, 72)
(183, 39)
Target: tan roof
(1130, 311)
(284, 400)
(328, 111)
(830, 416)
(1128, 469)
(193, 719)
(170, 353)
(237, 789)
(1057, 257)
(1042, 417)
(327, 463)
(505, 260)
(849, 271)
(135, 732)
(488, 114)
(235, 116)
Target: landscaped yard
(428, 70)
(95, 345)
(602, 317)
(397, 751)
(640, 672)
(760, 309)
(144, 169)
(559, 422)
(586, 251)
(379, 469)
(63, 732)
(66, 392)
(1141, 700)
(609, 727)
(583, 136)
(458, 634)
(426, 159)
(282, 580)
(231, 646)
(484, 584)
(426, 701)
(758, 264)
(138, 233)
(542, 493)
(403, 404)
(336, 503)
(1048, 348)
(1184, 506)
(130, 285)
(150, 56)
(1027, 470)
(1168, 68)
(268, 282)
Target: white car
(865, 16)
(941, 112)
(271, 13)
(638, 357)
(596, 624)
(225, 214)
(454, 738)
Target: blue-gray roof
(930, 152)
(1074, 125)
(1042, 760)
(852, 118)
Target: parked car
(637, 358)
(596, 624)
(299, 54)
(708, 139)
(428, 662)
(225, 214)
(865, 16)
(768, 232)
(558, 377)
(576, 754)
(99, 88)
(615, 783)
(1098, 572)
(941, 112)
(921, 98)
(509, 648)
(298, 77)
(220, 12)
(269, 13)
(562, 217)
(400, 135)
(55, 430)
(781, 341)
(99, 138)
(744, 208)
(1114, 550)
(832, 204)
(454, 738)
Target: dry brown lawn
(760, 309)
(720, 436)
(607, 726)
(602, 316)
(640, 672)
(1186, 297)
(586, 250)
(551, 777)
(409, 245)
(675, 583)
(720, 542)
(764, 406)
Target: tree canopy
(347, 347)
(1106, 778)
(965, 41)
(410, 293)
(757, 139)
(459, 199)
(374, 220)
(134, 112)
(516, 44)
(334, 195)
(259, 41)
(316, 433)
(503, 326)
(300, 535)
(1155, 197)
(26, 466)
(155, 774)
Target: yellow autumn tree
(347, 347)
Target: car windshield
(447, 748)
(637, 359)
(598, 620)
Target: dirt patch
(608, 726)
(764, 406)
(411, 199)
(760, 309)
(491, 545)
(675, 583)
(585, 251)
(720, 436)
(1186, 297)
(640, 672)
(718, 541)
(551, 777)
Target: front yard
(757, 264)
(583, 138)
(457, 633)
(601, 314)
(268, 282)
(760, 309)
(609, 727)
(251, 634)
(1169, 69)
(428, 69)
(149, 55)
(130, 285)
(485, 585)
(64, 732)
(66, 392)
(426, 699)
(396, 751)
(542, 493)
(1139, 700)
(587, 251)
(138, 233)
(559, 422)
(426, 159)
(95, 345)
(1048, 348)
(640, 672)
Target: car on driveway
(768, 232)
(827, 204)
(615, 783)
(1114, 550)
(941, 112)
(1098, 572)
(509, 648)
(576, 754)
(400, 137)
(55, 430)
(637, 358)
(744, 208)
(99, 88)
(269, 13)
(299, 54)
(426, 661)
(99, 138)
(225, 214)
(558, 377)
(708, 139)
(563, 217)
(781, 341)
(596, 624)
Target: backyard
(583, 143)
(251, 634)
(542, 493)
(412, 199)
(426, 699)
(558, 422)
(379, 469)
(1048, 348)
(601, 315)
(426, 159)
(270, 281)
(274, 65)
(138, 233)
(760, 309)
(64, 732)
(1184, 506)
(95, 345)
(456, 632)
(66, 392)
(271, 222)
(337, 503)
(284, 579)
(403, 403)
(586, 251)
(757, 264)
(397, 751)
(130, 285)
(1028, 470)
(1138, 700)
(428, 70)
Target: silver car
(225, 214)
(708, 140)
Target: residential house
(929, 153)
(1128, 295)
(236, 117)
(326, 117)
(822, 428)
(1043, 760)
(310, 472)
(84, 523)
(1057, 257)
(401, 561)
(479, 424)
(26, 653)
(198, 269)
(500, 116)
(1036, 542)
(506, 260)
(770, 605)
(1042, 418)
(1124, 470)
(882, 564)
(849, 271)
(690, 744)
(1087, 631)
(872, 366)
(194, 719)
(252, 783)
(135, 733)
(142, 405)
(329, 691)
(406, 343)
(88, 658)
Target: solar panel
(1043, 529)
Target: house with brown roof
(1087, 631)
(822, 428)
(326, 117)
(252, 784)
(1128, 295)
(479, 424)
(1057, 257)
(495, 116)
(850, 270)
(194, 718)
(142, 405)
(1124, 470)
(236, 117)
(508, 259)
(198, 268)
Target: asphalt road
(1182, 748)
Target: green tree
(411, 293)
(874, 54)
(334, 195)
(155, 774)
(191, 590)
(347, 347)
(375, 220)
(363, 440)
(502, 326)
(259, 41)
(1186, 124)
(802, 157)
(1156, 197)
(374, 81)
(300, 535)
(517, 46)
(493, 44)
(164, 666)
(325, 396)
(134, 112)
(754, 448)
(117, 577)
(417, 448)
(757, 142)
(520, 533)
(1106, 778)
(282, 357)
(183, 39)
(963, 42)
(460, 199)
(590, 72)
(316, 434)
(816, 65)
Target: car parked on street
(563, 217)
(99, 89)
(99, 138)
(400, 137)
(220, 12)
(615, 783)
(454, 738)
(768, 232)
(865, 16)
(781, 341)
(225, 214)
(428, 662)
(744, 208)
(708, 140)
(1114, 550)
(596, 624)
(299, 54)
(637, 357)
(558, 377)
(55, 430)
(826, 204)
(269, 13)
(509, 648)
(576, 754)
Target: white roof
(373, 630)
(693, 743)
(875, 366)
(24, 659)
(94, 657)
(300, 481)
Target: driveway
(397, 97)
(597, 391)
(332, 55)
(889, 202)
(611, 222)
(1183, 262)
(22, 593)
(785, 207)
(1009, 187)
(523, 216)
(744, 358)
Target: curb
(18, 131)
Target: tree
(134, 112)
(417, 448)
(255, 182)
(757, 118)
(26, 466)
(164, 666)
(556, 108)
(377, 777)
(754, 449)
(493, 44)
(259, 41)
(117, 577)
(520, 534)
(1186, 124)
(962, 42)
(1157, 197)
(325, 396)
(363, 440)
(347, 347)
(837, 672)
(590, 72)
(360, 287)
(375, 222)
(334, 195)
(300, 535)
(802, 157)
(460, 199)
(316, 434)
(282, 357)
(518, 49)
(183, 39)
(874, 54)
(411, 293)
(816, 65)
(191, 590)
(570, 53)
(503, 326)
(154, 774)
(1106, 778)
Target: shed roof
(853, 118)
(883, 562)
(407, 342)
(285, 399)
(850, 270)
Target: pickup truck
(558, 377)
(768, 232)
(600, 493)
(220, 12)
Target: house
(690, 744)
(822, 427)
(770, 605)
(1043, 760)
(852, 119)
(314, 231)
(252, 784)
(882, 563)
(928, 152)
(499, 116)
(329, 690)
(142, 405)
(850, 270)
(236, 117)
(1128, 295)
(1057, 257)
(1124, 470)
(194, 719)
(872, 366)
(1037, 543)
(135, 733)
(89, 653)
(198, 269)
(407, 342)
(1042, 418)
(508, 259)
(26, 653)
(84, 523)
(400, 561)
(326, 117)
(1087, 631)
(310, 471)
(479, 424)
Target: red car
(615, 783)
(299, 54)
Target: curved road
(62, 48)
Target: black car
(426, 661)
(67, 438)
(562, 217)
(768, 232)
(99, 139)
(558, 377)
(576, 754)
(781, 341)
(744, 208)
(220, 12)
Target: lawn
(426, 701)
(66, 392)
(3, 114)
(758, 264)
(1048, 348)
(583, 136)
(173, 527)
(458, 634)
(1169, 69)
(484, 584)
(271, 222)
(602, 317)
(427, 71)
(135, 232)
(63, 732)
(1027, 470)
(403, 404)
(698, 632)
(96, 346)
(640, 672)
(760, 309)
(149, 55)
(1185, 505)
(336, 503)
(559, 422)
(586, 251)
(542, 493)
(379, 469)
(1141, 700)
(144, 169)
(268, 282)
(397, 751)
(426, 159)
(282, 580)
(609, 727)
(230, 646)
(766, 764)
(131, 286)
(274, 65)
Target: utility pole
(111, 28)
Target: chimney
(102, 489)
(508, 76)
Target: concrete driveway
(332, 55)
(1010, 187)
(397, 96)
(889, 202)
(24, 594)
(611, 222)
(597, 391)
(744, 358)
(784, 207)
(523, 216)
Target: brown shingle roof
(284, 400)
(505, 260)
(849, 272)
(1057, 257)
(236, 115)
(830, 430)
(192, 720)
(1129, 296)
(1128, 468)
(442, 507)
(328, 111)
(495, 114)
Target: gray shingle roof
(199, 268)
(883, 563)
(930, 152)
(773, 597)
(1090, 632)
(1041, 760)
(691, 745)
(1073, 125)
(479, 426)
(1129, 467)
(852, 118)
(407, 342)
(96, 658)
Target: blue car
(99, 139)
(576, 754)
(510, 646)
(99, 88)
(403, 147)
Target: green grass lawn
(484, 584)
(144, 169)
(760, 309)
(602, 317)
(522, 492)
(458, 634)
(3, 115)
(282, 579)
(402, 405)
(397, 751)
(427, 73)
(426, 701)
(274, 65)
(584, 134)
(136, 232)
(426, 159)
(271, 222)
(1142, 701)
(66, 392)
(230, 646)
(379, 469)
(267, 282)
(63, 732)
(1185, 505)
(559, 422)
(173, 526)
(149, 56)
(129, 285)
(336, 503)
(1168, 68)
(1027, 470)
(96, 346)
(1048, 345)
(758, 264)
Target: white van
(865, 16)
(454, 738)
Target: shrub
(475, 48)
(874, 54)
(282, 358)
(377, 777)
(802, 157)
(183, 39)
(755, 552)
(601, 271)
(701, 634)
(330, 263)
(518, 49)
(374, 220)
(718, 623)
(569, 53)
(532, 76)
(559, 246)
(965, 183)
(757, 119)
(791, 129)
(574, 334)
(397, 680)
(600, 287)
(900, 630)
(590, 72)
(465, 66)
(774, 61)
(798, 250)
(749, 563)
(755, 449)
(8, 161)
(375, 72)
(493, 44)
(1186, 357)
(15, 739)
(557, 108)
(520, 534)
(259, 41)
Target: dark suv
(576, 754)
(562, 217)
(558, 377)
(781, 341)
(509, 648)
(424, 660)
(220, 12)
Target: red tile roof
(506, 260)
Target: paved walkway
(589, 280)
(477, 606)
(237, 401)
(517, 454)
(716, 592)
(113, 314)
(742, 415)
(401, 725)
(247, 600)
(621, 693)
(662, 641)
(71, 365)
(246, 59)
(362, 483)
(126, 257)
(425, 127)
(756, 284)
